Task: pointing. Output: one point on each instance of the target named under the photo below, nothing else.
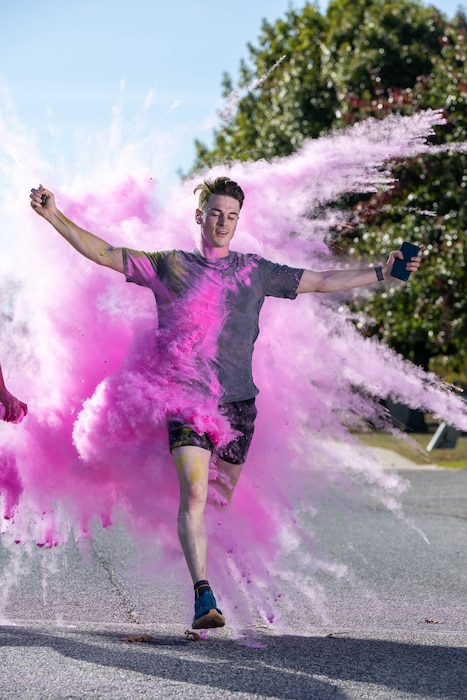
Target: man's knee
(192, 465)
(226, 476)
(193, 496)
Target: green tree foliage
(426, 320)
(368, 58)
(376, 53)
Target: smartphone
(409, 250)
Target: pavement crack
(130, 608)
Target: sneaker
(207, 615)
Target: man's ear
(198, 215)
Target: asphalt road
(395, 628)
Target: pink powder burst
(99, 385)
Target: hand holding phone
(409, 251)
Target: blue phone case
(409, 250)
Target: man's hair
(220, 185)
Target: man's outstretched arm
(343, 280)
(85, 242)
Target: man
(12, 410)
(218, 293)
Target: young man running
(229, 288)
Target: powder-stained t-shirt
(209, 309)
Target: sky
(68, 68)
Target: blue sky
(66, 65)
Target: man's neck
(214, 253)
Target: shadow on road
(289, 667)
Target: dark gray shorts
(241, 416)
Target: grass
(455, 458)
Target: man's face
(218, 220)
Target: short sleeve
(140, 267)
(280, 280)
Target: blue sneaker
(207, 615)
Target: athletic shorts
(241, 416)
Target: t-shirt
(214, 306)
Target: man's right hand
(85, 242)
(42, 201)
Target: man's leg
(231, 458)
(227, 476)
(192, 465)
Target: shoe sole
(212, 619)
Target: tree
(370, 58)
(433, 336)
(376, 53)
